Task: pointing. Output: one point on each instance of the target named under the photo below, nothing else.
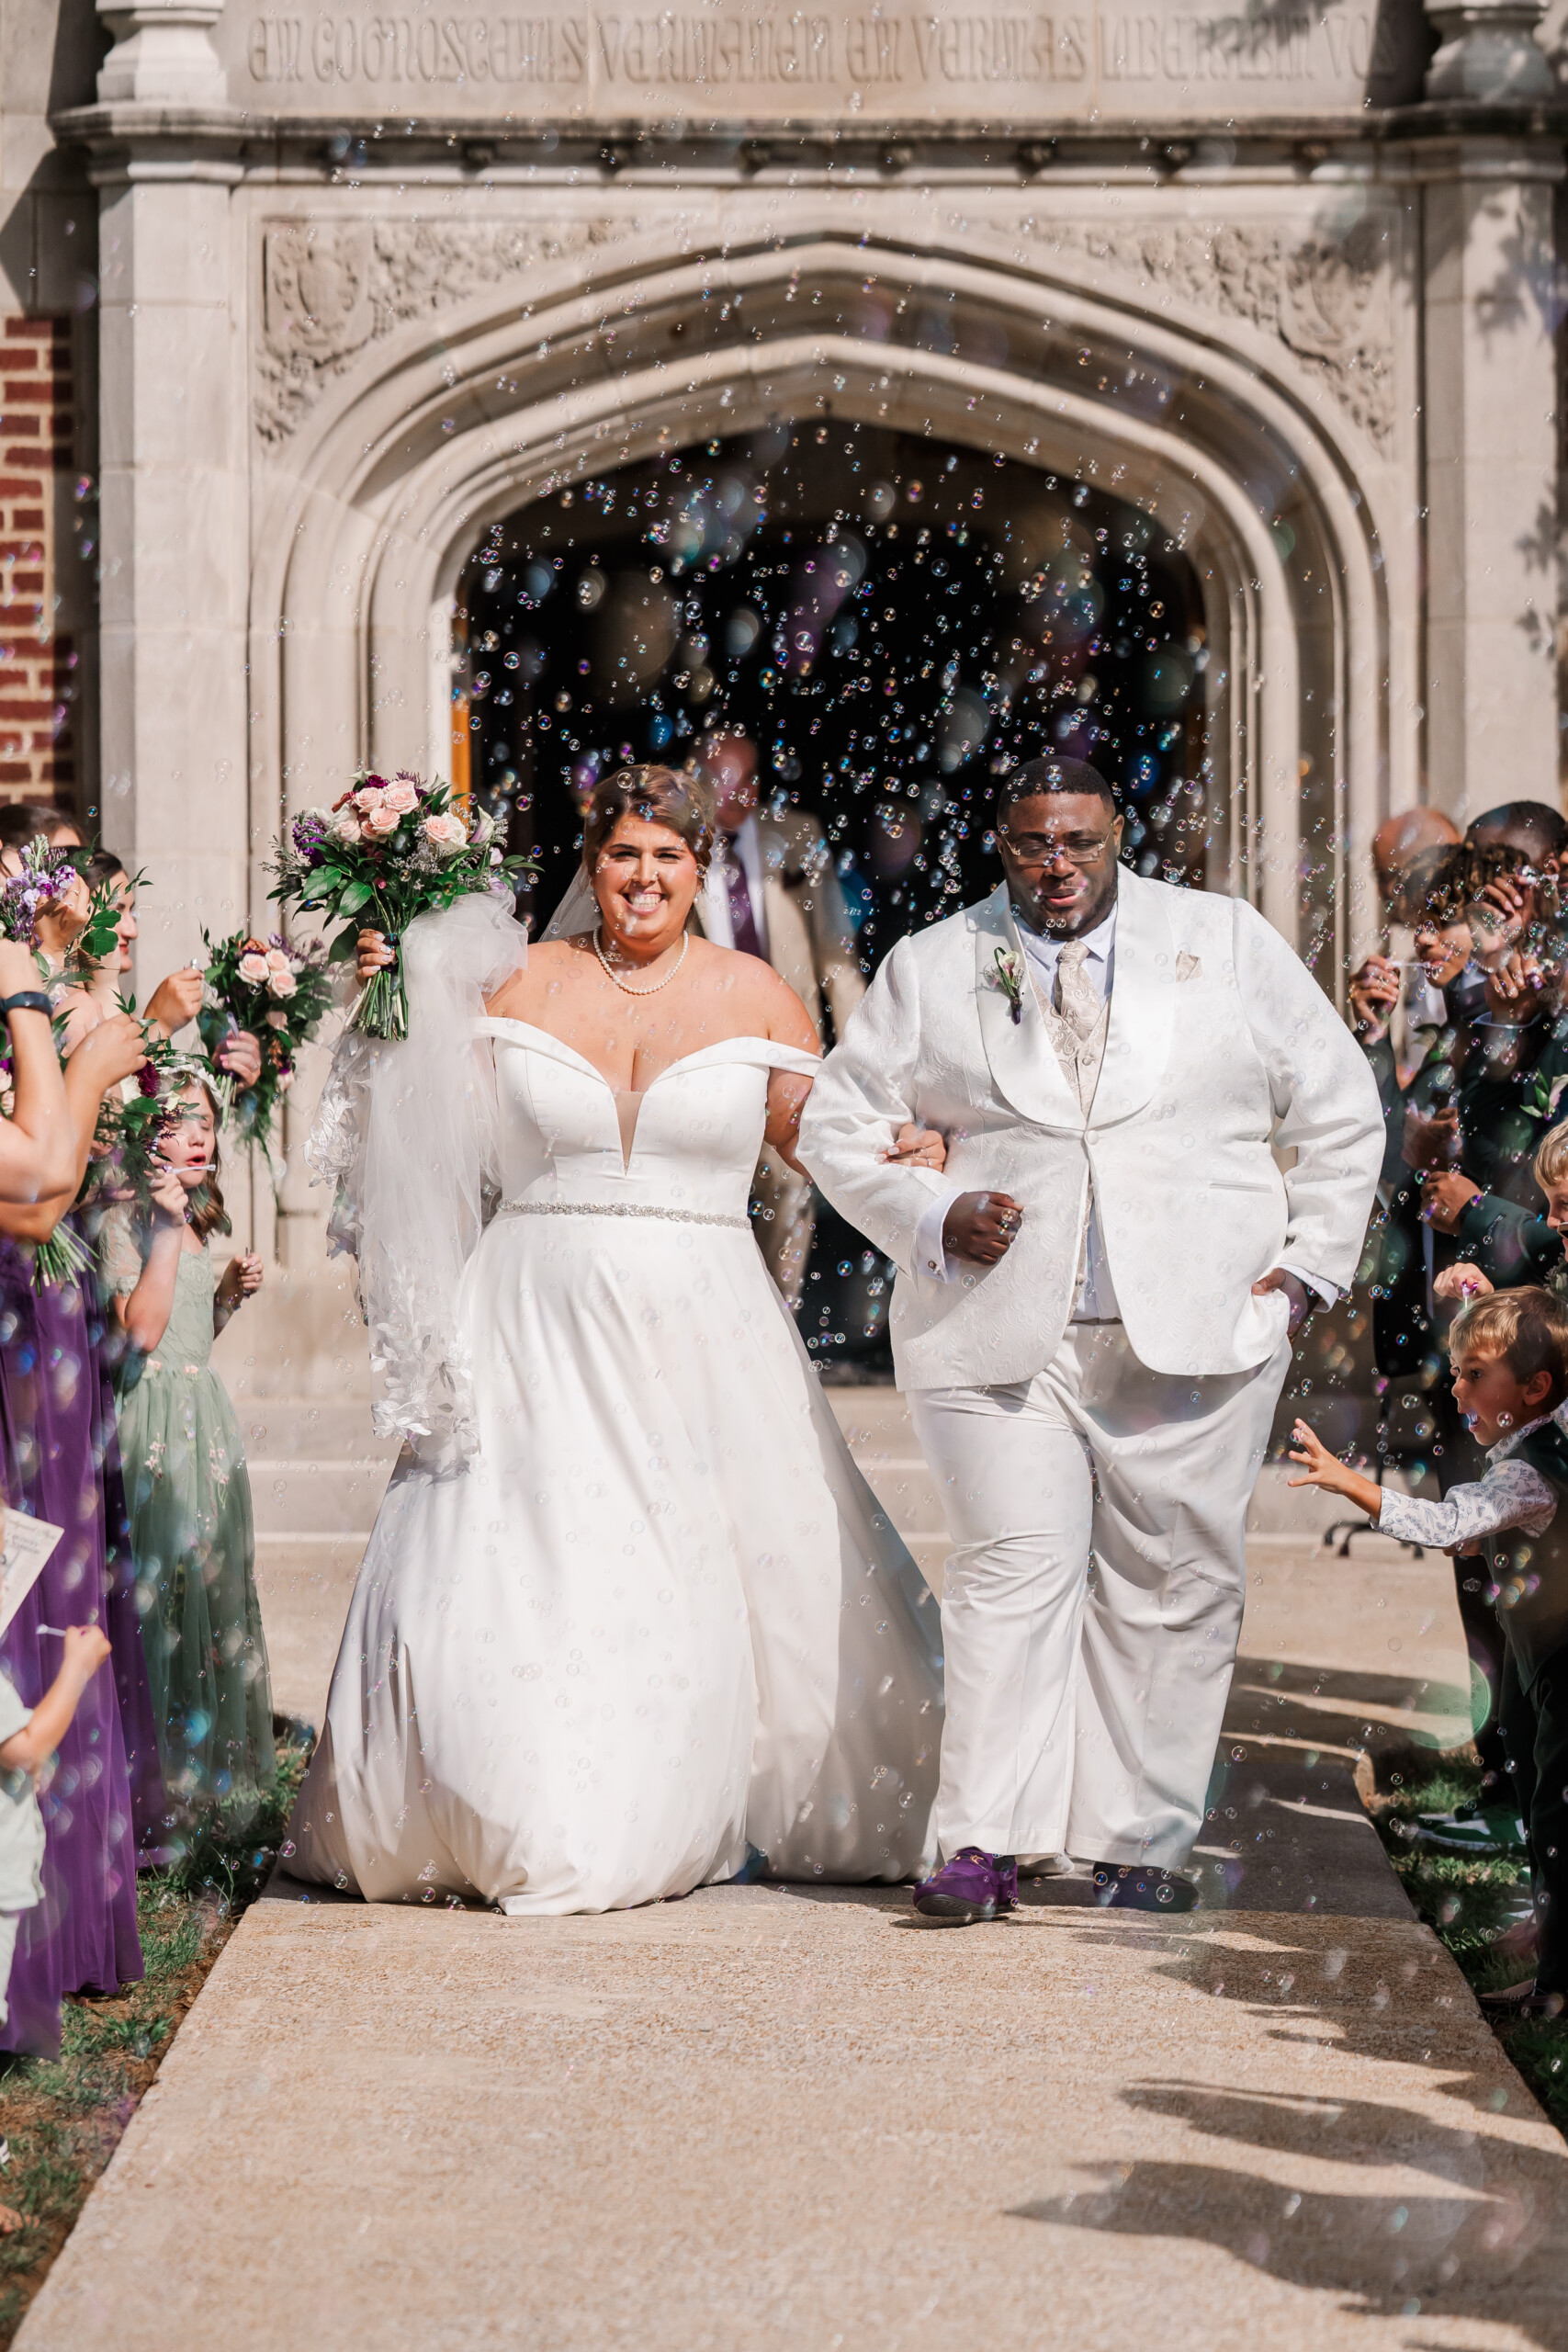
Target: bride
(631, 1620)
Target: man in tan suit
(772, 892)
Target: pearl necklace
(611, 974)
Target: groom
(1093, 1314)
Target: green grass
(1453, 1782)
(64, 2116)
(231, 1854)
(1468, 1902)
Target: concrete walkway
(788, 2117)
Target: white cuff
(1327, 1292)
(932, 1262)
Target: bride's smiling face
(645, 882)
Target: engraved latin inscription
(463, 61)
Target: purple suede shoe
(972, 1886)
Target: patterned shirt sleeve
(1510, 1495)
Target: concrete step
(303, 1583)
(310, 1428)
(295, 1497)
(318, 1475)
(317, 1467)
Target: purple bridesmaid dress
(82, 1937)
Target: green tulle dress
(188, 1495)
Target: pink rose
(400, 797)
(382, 818)
(369, 797)
(347, 827)
(253, 969)
(281, 984)
(277, 1020)
(278, 960)
(446, 832)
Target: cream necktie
(1078, 1000)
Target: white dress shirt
(717, 923)
(1096, 1301)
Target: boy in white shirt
(28, 1737)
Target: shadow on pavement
(1462, 2250)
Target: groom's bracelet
(27, 1001)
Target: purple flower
(308, 833)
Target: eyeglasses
(1039, 849)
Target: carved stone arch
(373, 499)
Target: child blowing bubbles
(1509, 1353)
(29, 1738)
(186, 1486)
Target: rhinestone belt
(619, 1208)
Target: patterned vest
(1530, 1572)
(1080, 1056)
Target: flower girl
(186, 1486)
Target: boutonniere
(1008, 975)
(1545, 1095)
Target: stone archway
(409, 446)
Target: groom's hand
(981, 1228)
(1302, 1300)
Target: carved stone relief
(329, 287)
(1326, 299)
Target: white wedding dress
(656, 1626)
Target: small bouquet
(391, 849)
(281, 994)
(130, 1118)
(46, 877)
(120, 1164)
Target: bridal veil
(407, 1131)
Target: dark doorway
(893, 621)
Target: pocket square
(1188, 967)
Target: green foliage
(1470, 1902)
(1453, 1782)
(230, 1852)
(378, 858)
(280, 995)
(1539, 2048)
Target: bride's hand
(917, 1148)
(376, 953)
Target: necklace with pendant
(611, 974)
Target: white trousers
(1091, 1607)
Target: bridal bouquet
(281, 995)
(391, 849)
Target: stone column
(172, 419)
(1490, 443)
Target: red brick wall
(37, 693)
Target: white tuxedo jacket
(1220, 1045)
